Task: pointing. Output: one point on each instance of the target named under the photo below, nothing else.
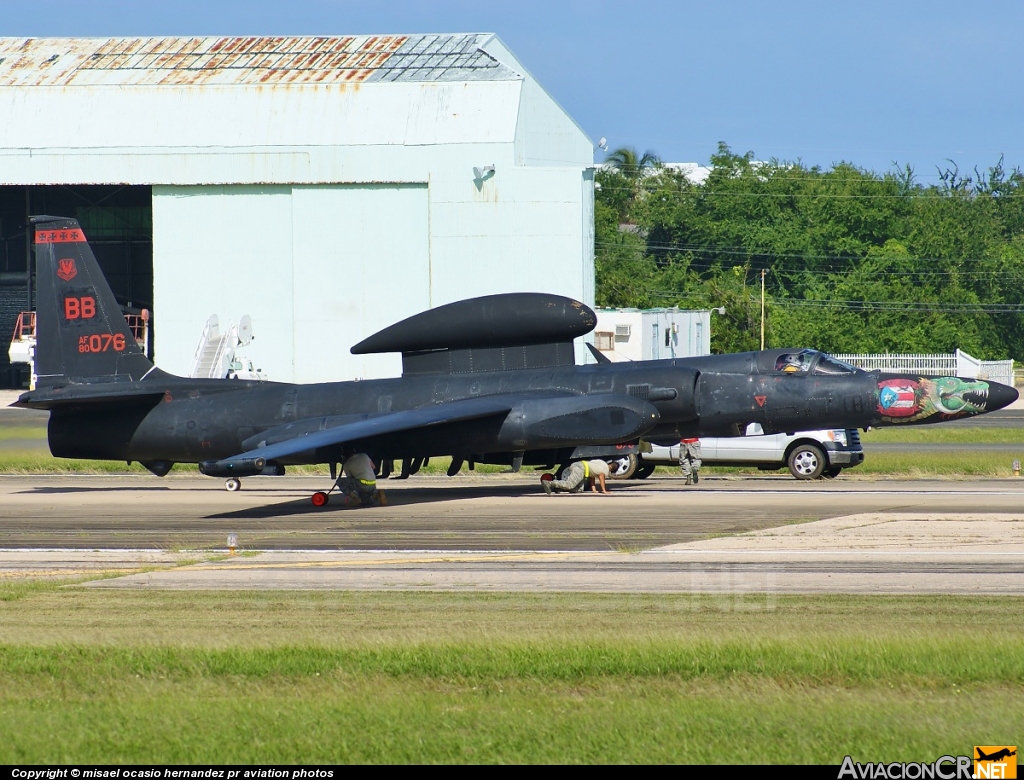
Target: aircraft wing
(424, 417)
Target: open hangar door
(117, 220)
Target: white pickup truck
(807, 454)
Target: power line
(861, 272)
(852, 305)
(906, 306)
(746, 252)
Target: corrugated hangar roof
(248, 61)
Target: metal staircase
(208, 362)
(215, 354)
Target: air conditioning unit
(623, 331)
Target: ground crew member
(689, 459)
(359, 481)
(579, 474)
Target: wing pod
(491, 333)
(233, 467)
(506, 320)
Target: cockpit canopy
(831, 366)
(810, 361)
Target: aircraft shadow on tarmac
(396, 498)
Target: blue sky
(870, 82)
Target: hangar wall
(325, 186)
(320, 267)
(311, 264)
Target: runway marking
(448, 558)
(455, 555)
(575, 557)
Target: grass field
(943, 434)
(8, 432)
(113, 676)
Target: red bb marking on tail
(84, 307)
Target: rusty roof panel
(246, 60)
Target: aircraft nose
(915, 400)
(1000, 396)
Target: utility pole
(762, 308)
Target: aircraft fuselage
(203, 420)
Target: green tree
(856, 260)
(629, 163)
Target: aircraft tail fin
(81, 333)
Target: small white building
(329, 186)
(652, 334)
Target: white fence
(957, 364)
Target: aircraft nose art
(919, 399)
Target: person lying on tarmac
(358, 482)
(580, 473)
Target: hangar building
(326, 186)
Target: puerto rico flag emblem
(898, 397)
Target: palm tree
(626, 161)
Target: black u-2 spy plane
(490, 380)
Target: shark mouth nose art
(907, 399)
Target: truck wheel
(832, 472)
(627, 467)
(644, 470)
(806, 462)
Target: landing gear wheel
(806, 462)
(832, 472)
(233, 485)
(319, 498)
(627, 466)
(644, 470)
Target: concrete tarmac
(728, 536)
(740, 541)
